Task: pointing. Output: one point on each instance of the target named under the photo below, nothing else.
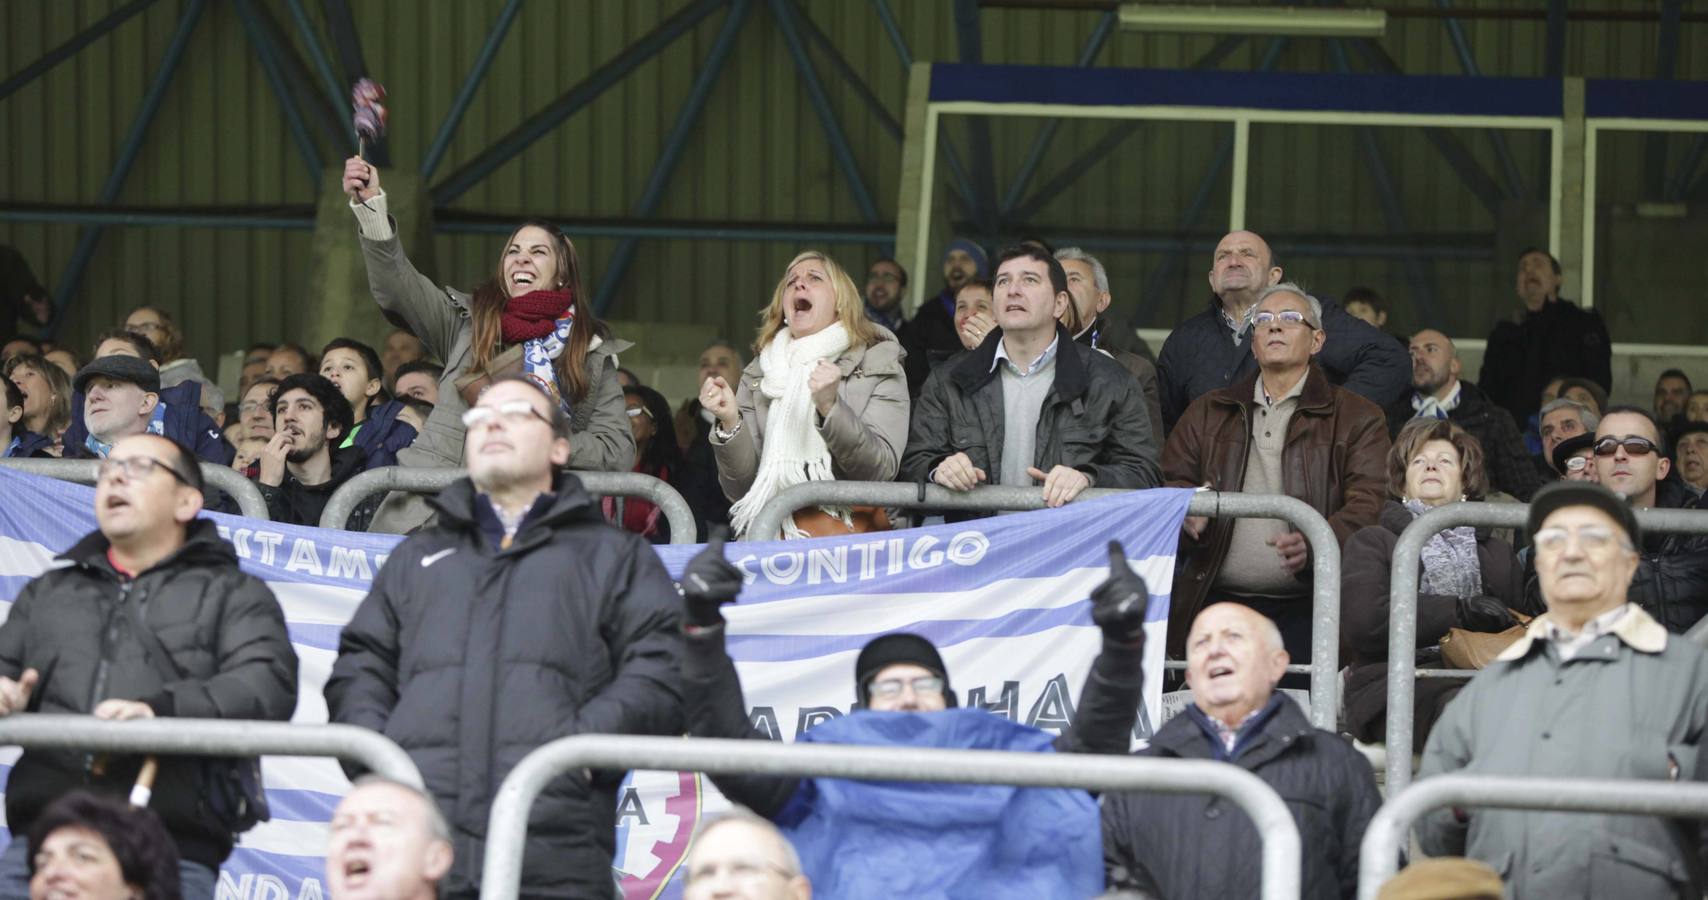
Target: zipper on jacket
(103, 668)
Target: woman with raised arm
(531, 318)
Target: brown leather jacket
(1335, 459)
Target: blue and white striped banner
(1004, 598)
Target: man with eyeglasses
(151, 618)
(740, 855)
(1595, 688)
(518, 617)
(885, 282)
(1672, 571)
(1283, 429)
(861, 840)
(1574, 458)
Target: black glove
(1118, 604)
(708, 582)
(1484, 614)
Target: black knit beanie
(899, 647)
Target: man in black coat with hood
(520, 617)
(152, 618)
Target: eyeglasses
(1577, 464)
(741, 870)
(1633, 444)
(516, 412)
(892, 687)
(135, 468)
(1592, 538)
(1286, 316)
(635, 412)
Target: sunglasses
(1634, 446)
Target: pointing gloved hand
(1118, 604)
(1484, 614)
(708, 582)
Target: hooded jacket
(1093, 419)
(1195, 845)
(381, 435)
(221, 626)
(470, 657)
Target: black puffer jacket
(471, 657)
(1179, 846)
(1672, 570)
(223, 627)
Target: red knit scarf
(533, 315)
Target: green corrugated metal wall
(758, 155)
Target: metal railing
(82, 471)
(1378, 856)
(415, 480)
(210, 737)
(506, 829)
(1325, 548)
(1402, 610)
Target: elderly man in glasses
(1595, 688)
(1672, 570)
(151, 619)
(521, 616)
(1285, 428)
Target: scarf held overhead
(534, 315)
(792, 452)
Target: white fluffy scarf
(792, 451)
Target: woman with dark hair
(378, 433)
(824, 398)
(531, 318)
(1467, 579)
(47, 398)
(95, 847)
(656, 454)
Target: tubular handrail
(82, 471)
(1402, 610)
(417, 480)
(507, 827)
(210, 737)
(1378, 856)
(1325, 547)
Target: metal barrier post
(1325, 547)
(210, 737)
(507, 828)
(82, 471)
(433, 480)
(1378, 857)
(1402, 609)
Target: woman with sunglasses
(532, 317)
(656, 454)
(1468, 578)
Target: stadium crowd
(1016, 372)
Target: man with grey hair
(389, 842)
(1283, 429)
(1086, 318)
(1184, 845)
(1215, 348)
(1560, 419)
(742, 855)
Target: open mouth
(356, 872)
(803, 304)
(1014, 307)
(522, 279)
(1220, 670)
(114, 501)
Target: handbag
(235, 795)
(818, 523)
(470, 384)
(1462, 649)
